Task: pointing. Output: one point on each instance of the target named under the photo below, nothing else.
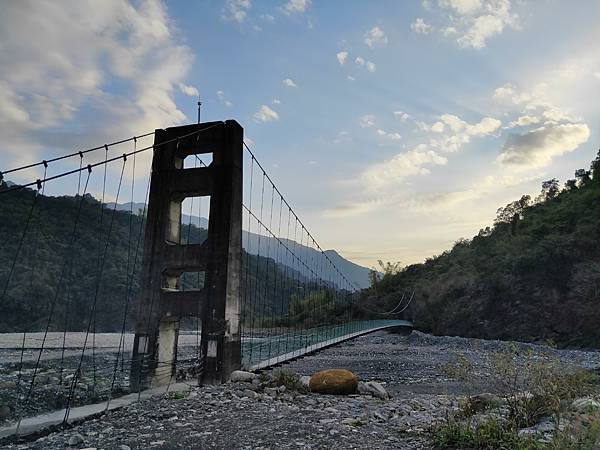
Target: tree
(550, 190)
(582, 176)
(512, 212)
(571, 185)
(388, 270)
(595, 167)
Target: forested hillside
(50, 271)
(533, 275)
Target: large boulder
(242, 376)
(333, 381)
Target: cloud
(375, 37)
(524, 121)
(536, 148)
(265, 114)
(276, 101)
(188, 90)
(225, 101)
(471, 23)
(64, 66)
(389, 173)
(401, 115)
(420, 27)
(236, 10)
(289, 83)
(366, 121)
(267, 18)
(361, 62)
(295, 7)
(341, 57)
(535, 103)
(437, 127)
(486, 126)
(392, 136)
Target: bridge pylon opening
(162, 301)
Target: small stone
(75, 439)
(8, 384)
(4, 412)
(333, 381)
(124, 447)
(326, 421)
(305, 381)
(249, 393)
(373, 388)
(242, 376)
(271, 391)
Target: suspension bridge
(141, 275)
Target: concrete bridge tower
(162, 302)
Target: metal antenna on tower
(199, 105)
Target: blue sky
(394, 128)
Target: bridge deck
(310, 341)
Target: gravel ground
(246, 416)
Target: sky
(393, 128)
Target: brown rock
(333, 381)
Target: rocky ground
(244, 415)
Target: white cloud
(537, 147)
(401, 115)
(236, 10)
(341, 57)
(375, 37)
(361, 62)
(267, 18)
(295, 7)
(437, 127)
(471, 22)
(188, 90)
(487, 125)
(462, 7)
(597, 75)
(420, 27)
(266, 114)
(289, 83)
(276, 101)
(389, 173)
(534, 102)
(524, 121)
(366, 121)
(350, 78)
(50, 74)
(225, 101)
(457, 132)
(392, 136)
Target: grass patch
(491, 433)
(177, 395)
(290, 380)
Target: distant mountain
(270, 247)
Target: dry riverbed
(412, 368)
